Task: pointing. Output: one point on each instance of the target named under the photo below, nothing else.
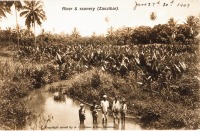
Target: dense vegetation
(154, 68)
(157, 78)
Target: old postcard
(99, 64)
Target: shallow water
(64, 115)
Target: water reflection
(82, 126)
(65, 115)
(116, 126)
(95, 126)
(123, 127)
(104, 125)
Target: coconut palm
(75, 33)
(172, 24)
(9, 31)
(110, 33)
(124, 34)
(18, 7)
(94, 34)
(4, 9)
(153, 16)
(34, 13)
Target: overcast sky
(88, 22)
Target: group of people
(119, 109)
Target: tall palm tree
(34, 13)
(172, 24)
(127, 31)
(18, 7)
(9, 31)
(94, 34)
(75, 33)
(153, 16)
(110, 33)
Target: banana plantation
(156, 69)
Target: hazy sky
(88, 22)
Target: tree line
(170, 32)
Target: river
(64, 115)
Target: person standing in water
(116, 109)
(104, 107)
(123, 111)
(81, 114)
(94, 111)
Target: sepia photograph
(99, 64)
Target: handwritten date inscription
(160, 4)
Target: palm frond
(18, 5)
(2, 13)
(28, 21)
(24, 13)
(37, 19)
(33, 13)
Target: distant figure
(81, 114)
(104, 107)
(123, 111)
(94, 111)
(116, 109)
